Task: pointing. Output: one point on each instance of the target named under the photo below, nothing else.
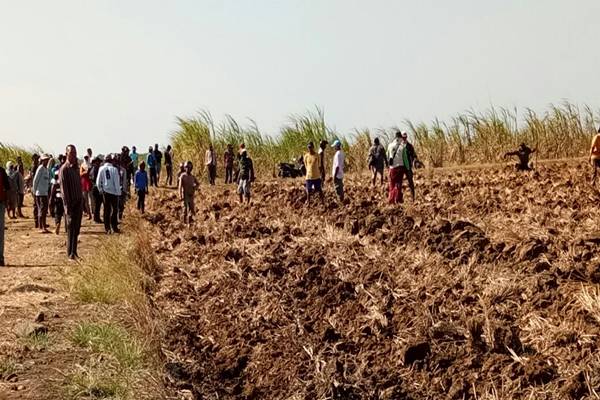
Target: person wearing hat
(313, 183)
(4, 187)
(41, 186)
(337, 169)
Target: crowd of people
(98, 187)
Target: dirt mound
(482, 289)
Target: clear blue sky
(110, 72)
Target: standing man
(396, 171)
(108, 183)
(322, 146)
(228, 159)
(3, 189)
(127, 163)
(337, 170)
(35, 163)
(97, 198)
(141, 187)
(246, 176)
(72, 195)
(313, 173)
(377, 160)
(158, 157)
(134, 157)
(187, 188)
(169, 165)
(21, 169)
(409, 160)
(41, 187)
(210, 160)
(151, 163)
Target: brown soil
(485, 288)
(34, 297)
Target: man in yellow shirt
(595, 154)
(313, 173)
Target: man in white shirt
(40, 189)
(337, 170)
(210, 160)
(109, 186)
(395, 156)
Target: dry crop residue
(484, 288)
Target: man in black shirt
(158, 157)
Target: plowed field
(485, 288)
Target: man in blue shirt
(109, 186)
(141, 186)
(151, 163)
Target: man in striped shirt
(70, 187)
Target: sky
(107, 73)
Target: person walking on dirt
(86, 185)
(595, 155)
(109, 186)
(41, 187)
(127, 164)
(377, 161)
(246, 176)
(134, 157)
(124, 183)
(523, 154)
(228, 159)
(57, 207)
(409, 159)
(4, 187)
(158, 156)
(141, 187)
(169, 165)
(72, 195)
(187, 188)
(313, 181)
(337, 170)
(21, 170)
(35, 164)
(398, 163)
(151, 163)
(210, 161)
(322, 146)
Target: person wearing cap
(210, 161)
(187, 186)
(41, 187)
(72, 195)
(313, 181)
(4, 187)
(322, 146)
(337, 169)
(109, 186)
(246, 176)
(377, 160)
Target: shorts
(313, 185)
(244, 187)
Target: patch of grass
(8, 366)
(108, 277)
(30, 337)
(109, 339)
(96, 382)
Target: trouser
(86, 203)
(141, 201)
(92, 202)
(73, 222)
(228, 174)
(122, 201)
(338, 184)
(111, 212)
(212, 173)
(97, 203)
(169, 168)
(395, 185)
(411, 182)
(21, 200)
(35, 212)
(42, 210)
(153, 181)
(2, 206)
